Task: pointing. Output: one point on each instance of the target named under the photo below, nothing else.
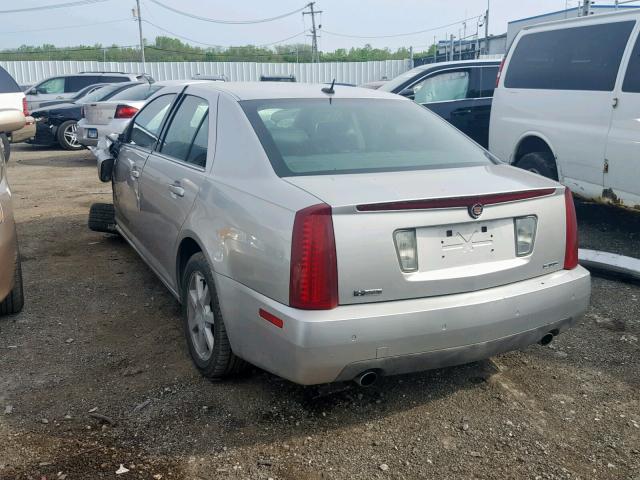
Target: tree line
(167, 49)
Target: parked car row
(330, 233)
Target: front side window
(336, 136)
(147, 124)
(442, 87)
(632, 77)
(578, 58)
(52, 86)
(189, 117)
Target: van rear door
(622, 171)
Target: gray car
(328, 235)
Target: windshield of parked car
(393, 84)
(139, 92)
(330, 136)
(102, 93)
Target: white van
(567, 105)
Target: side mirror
(11, 120)
(408, 92)
(105, 169)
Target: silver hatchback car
(328, 235)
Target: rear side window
(488, 77)
(579, 58)
(7, 83)
(147, 124)
(51, 86)
(183, 129)
(632, 77)
(73, 84)
(108, 79)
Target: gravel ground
(95, 373)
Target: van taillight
(571, 247)
(500, 70)
(125, 111)
(25, 107)
(313, 283)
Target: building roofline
(542, 15)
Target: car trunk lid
(455, 252)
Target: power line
(284, 39)
(181, 36)
(227, 22)
(78, 3)
(68, 26)
(408, 34)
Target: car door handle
(135, 173)
(177, 190)
(461, 111)
(59, 97)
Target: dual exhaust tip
(369, 377)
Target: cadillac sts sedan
(330, 233)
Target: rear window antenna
(329, 90)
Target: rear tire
(102, 218)
(15, 301)
(67, 135)
(204, 326)
(542, 163)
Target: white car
(104, 118)
(13, 98)
(567, 105)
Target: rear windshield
(139, 92)
(320, 137)
(103, 93)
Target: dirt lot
(101, 337)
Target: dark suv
(460, 92)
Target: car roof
(283, 90)
(458, 63)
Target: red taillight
(314, 271)
(571, 248)
(500, 70)
(25, 107)
(125, 111)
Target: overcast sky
(353, 17)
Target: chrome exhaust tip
(366, 379)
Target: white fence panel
(29, 72)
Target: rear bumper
(25, 133)
(8, 244)
(402, 336)
(116, 126)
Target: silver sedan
(337, 234)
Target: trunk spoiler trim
(456, 202)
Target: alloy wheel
(71, 135)
(200, 316)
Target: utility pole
(411, 55)
(315, 57)
(452, 47)
(138, 16)
(486, 30)
(435, 50)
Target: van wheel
(15, 301)
(102, 218)
(68, 135)
(541, 163)
(203, 323)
